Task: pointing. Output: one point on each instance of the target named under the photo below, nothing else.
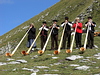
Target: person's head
(31, 25)
(55, 21)
(77, 19)
(89, 19)
(66, 18)
(44, 23)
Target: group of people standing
(77, 25)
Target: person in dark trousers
(54, 35)
(31, 36)
(67, 33)
(44, 33)
(78, 35)
(91, 26)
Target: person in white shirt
(67, 33)
(44, 33)
(91, 26)
(54, 35)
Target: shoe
(62, 48)
(87, 47)
(77, 48)
(91, 48)
(33, 49)
(34, 46)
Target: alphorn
(42, 51)
(58, 51)
(84, 48)
(11, 54)
(26, 53)
(96, 33)
(70, 50)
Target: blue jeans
(30, 41)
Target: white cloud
(6, 2)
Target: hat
(55, 21)
(44, 22)
(31, 23)
(77, 18)
(89, 17)
(66, 18)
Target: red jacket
(79, 27)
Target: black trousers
(43, 40)
(90, 39)
(78, 37)
(66, 37)
(54, 40)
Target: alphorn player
(78, 34)
(67, 33)
(54, 35)
(44, 33)
(31, 36)
(91, 32)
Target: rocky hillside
(71, 8)
(74, 63)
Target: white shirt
(44, 28)
(90, 25)
(66, 23)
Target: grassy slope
(46, 60)
(59, 8)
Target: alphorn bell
(96, 33)
(10, 54)
(84, 48)
(58, 51)
(26, 53)
(70, 50)
(42, 51)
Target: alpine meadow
(87, 63)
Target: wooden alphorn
(42, 51)
(10, 54)
(26, 53)
(84, 48)
(58, 51)
(70, 50)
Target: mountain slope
(59, 66)
(58, 11)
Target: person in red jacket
(78, 34)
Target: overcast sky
(15, 12)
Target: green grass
(46, 60)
